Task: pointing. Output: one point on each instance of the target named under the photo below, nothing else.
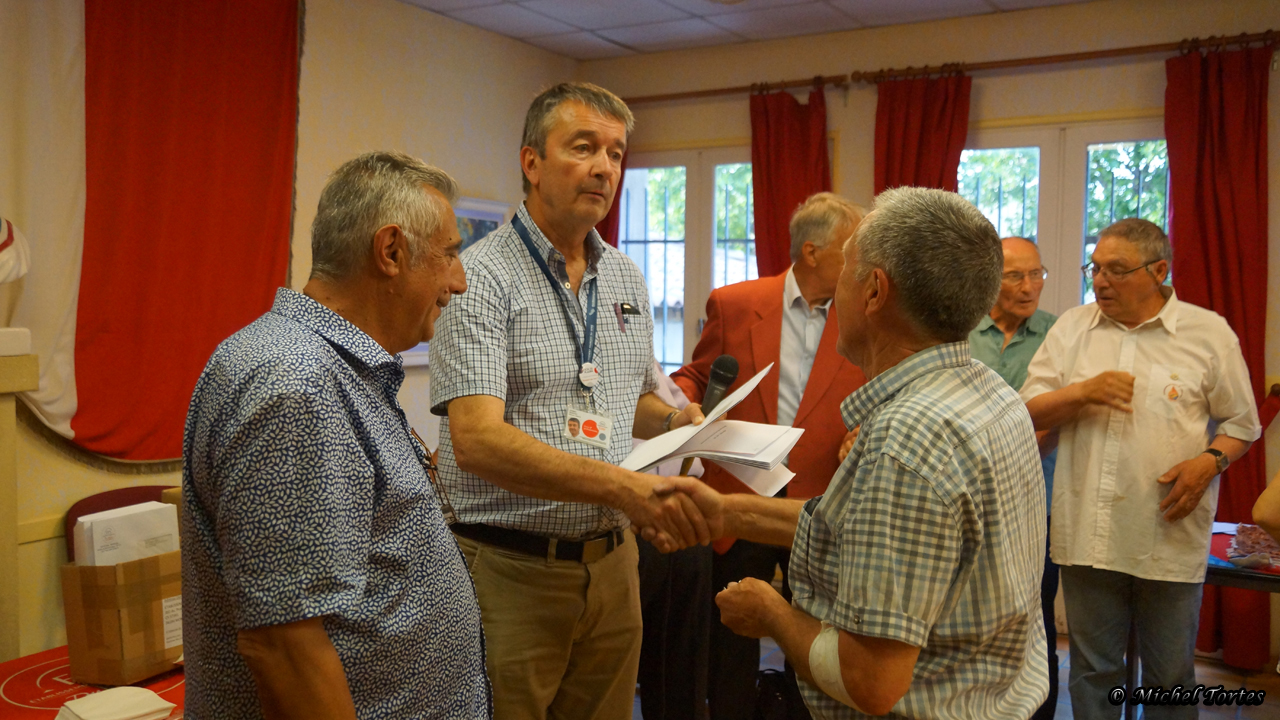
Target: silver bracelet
(666, 424)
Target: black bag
(778, 698)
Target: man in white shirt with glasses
(1152, 400)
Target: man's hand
(1047, 441)
(297, 671)
(847, 445)
(751, 607)
(1190, 479)
(691, 415)
(709, 502)
(1112, 388)
(669, 520)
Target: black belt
(583, 551)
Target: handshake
(674, 513)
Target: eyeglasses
(1093, 270)
(1015, 278)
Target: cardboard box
(173, 496)
(124, 622)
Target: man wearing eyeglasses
(1135, 383)
(1005, 341)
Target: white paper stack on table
(752, 452)
(121, 703)
(125, 534)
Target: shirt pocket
(626, 338)
(1172, 390)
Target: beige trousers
(562, 638)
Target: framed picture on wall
(476, 219)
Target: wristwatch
(1219, 457)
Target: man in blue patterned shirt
(916, 577)
(319, 579)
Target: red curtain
(1216, 128)
(608, 227)
(191, 126)
(789, 162)
(921, 126)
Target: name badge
(588, 428)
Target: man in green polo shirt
(1005, 341)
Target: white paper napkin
(118, 703)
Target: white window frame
(1064, 151)
(699, 221)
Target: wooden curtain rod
(875, 76)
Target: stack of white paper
(752, 452)
(128, 533)
(734, 441)
(118, 703)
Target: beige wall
(381, 74)
(376, 74)
(1114, 88)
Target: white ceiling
(590, 29)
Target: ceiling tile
(704, 8)
(599, 14)
(789, 21)
(672, 35)
(447, 5)
(512, 21)
(892, 12)
(579, 45)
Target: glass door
(652, 233)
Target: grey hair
(818, 217)
(943, 255)
(542, 113)
(1147, 236)
(367, 193)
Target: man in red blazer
(788, 320)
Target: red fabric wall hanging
(1216, 128)
(191, 126)
(921, 126)
(789, 162)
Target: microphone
(724, 371)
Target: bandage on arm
(824, 665)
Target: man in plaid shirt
(916, 577)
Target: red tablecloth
(35, 686)
(1218, 548)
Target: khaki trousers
(562, 638)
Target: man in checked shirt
(556, 326)
(916, 577)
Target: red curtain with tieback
(921, 126)
(1216, 128)
(191, 113)
(612, 222)
(789, 162)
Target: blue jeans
(1100, 605)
